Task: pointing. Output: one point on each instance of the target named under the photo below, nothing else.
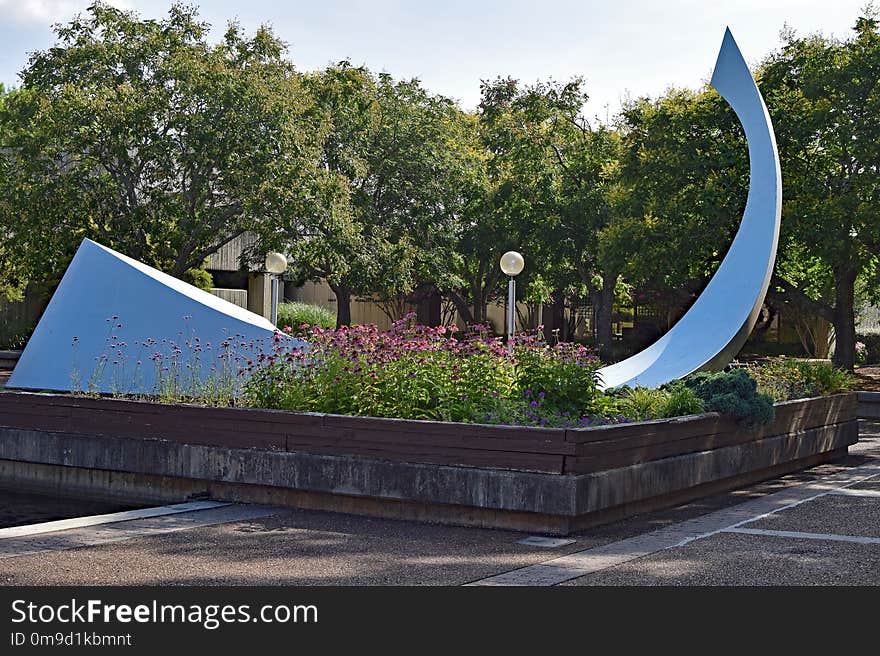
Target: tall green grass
(296, 315)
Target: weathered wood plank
(625, 458)
(507, 447)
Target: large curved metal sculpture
(717, 325)
(116, 325)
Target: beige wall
(257, 298)
(226, 258)
(259, 294)
(319, 293)
(365, 312)
(237, 297)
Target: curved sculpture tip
(716, 326)
(729, 60)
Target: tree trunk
(555, 325)
(844, 319)
(604, 302)
(429, 311)
(463, 308)
(479, 311)
(343, 304)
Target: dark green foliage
(14, 335)
(672, 400)
(733, 393)
(143, 135)
(642, 403)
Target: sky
(623, 48)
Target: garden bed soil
(868, 377)
(551, 480)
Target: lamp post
(276, 264)
(512, 264)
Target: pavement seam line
(588, 561)
(825, 492)
(109, 518)
(856, 493)
(800, 535)
(97, 535)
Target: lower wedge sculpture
(717, 325)
(115, 325)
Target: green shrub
(300, 317)
(199, 278)
(784, 379)
(670, 400)
(733, 393)
(565, 376)
(641, 403)
(682, 401)
(14, 335)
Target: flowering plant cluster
(185, 368)
(418, 372)
(861, 353)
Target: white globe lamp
(512, 264)
(276, 264)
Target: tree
(824, 98)
(14, 278)
(399, 157)
(553, 173)
(141, 135)
(684, 176)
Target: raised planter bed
(549, 480)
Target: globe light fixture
(276, 264)
(512, 264)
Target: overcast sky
(621, 47)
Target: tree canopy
(824, 97)
(140, 134)
(143, 135)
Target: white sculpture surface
(116, 325)
(714, 329)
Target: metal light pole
(512, 264)
(276, 264)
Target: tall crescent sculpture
(717, 325)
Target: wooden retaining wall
(518, 448)
(530, 479)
